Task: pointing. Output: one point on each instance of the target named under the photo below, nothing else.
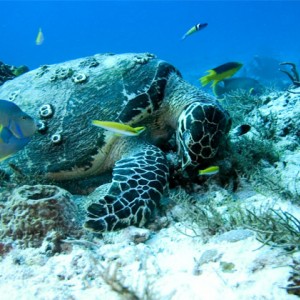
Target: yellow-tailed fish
(209, 171)
(220, 73)
(39, 38)
(16, 129)
(119, 128)
(194, 29)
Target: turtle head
(201, 128)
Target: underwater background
(233, 234)
(236, 31)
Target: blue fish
(250, 85)
(16, 129)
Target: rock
(234, 235)
(138, 235)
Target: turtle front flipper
(139, 181)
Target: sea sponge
(31, 212)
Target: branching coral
(276, 228)
(294, 75)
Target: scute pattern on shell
(135, 91)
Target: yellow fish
(209, 171)
(194, 29)
(40, 38)
(119, 128)
(221, 72)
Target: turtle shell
(65, 97)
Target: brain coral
(31, 212)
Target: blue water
(236, 31)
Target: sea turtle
(135, 89)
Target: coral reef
(31, 212)
(235, 240)
(10, 72)
(5, 73)
(17, 71)
(268, 154)
(272, 226)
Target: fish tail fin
(251, 91)
(207, 78)
(139, 129)
(95, 122)
(218, 89)
(214, 83)
(5, 157)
